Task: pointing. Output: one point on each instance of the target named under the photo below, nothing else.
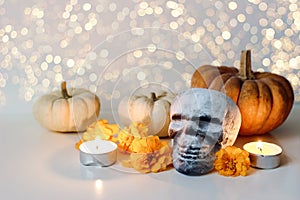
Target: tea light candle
(263, 155)
(98, 152)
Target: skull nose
(200, 135)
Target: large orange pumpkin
(265, 99)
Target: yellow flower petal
(232, 161)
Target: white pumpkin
(67, 111)
(152, 111)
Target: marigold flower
(156, 161)
(232, 161)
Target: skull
(202, 122)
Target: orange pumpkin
(265, 99)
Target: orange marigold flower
(232, 161)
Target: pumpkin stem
(153, 96)
(64, 90)
(245, 66)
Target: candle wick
(97, 148)
(260, 149)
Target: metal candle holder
(98, 153)
(266, 156)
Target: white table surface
(39, 164)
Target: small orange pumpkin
(265, 99)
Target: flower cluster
(155, 161)
(232, 161)
(99, 129)
(147, 152)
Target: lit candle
(263, 155)
(98, 152)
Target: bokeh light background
(108, 45)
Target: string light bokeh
(43, 43)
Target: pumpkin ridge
(275, 120)
(209, 76)
(227, 76)
(197, 76)
(152, 103)
(233, 92)
(87, 108)
(248, 104)
(203, 76)
(97, 105)
(68, 112)
(226, 69)
(51, 111)
(41, 115)
(64, 123)
(219, 81)
(262, 87)
(286, 84)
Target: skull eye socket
(208, 119)
(204, 118)
(176, 124)
(178, 117)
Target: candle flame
(259, 146)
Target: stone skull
(202, 122)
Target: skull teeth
(191, 153)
